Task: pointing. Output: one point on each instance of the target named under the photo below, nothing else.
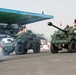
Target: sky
(64, 11)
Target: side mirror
(50, 23)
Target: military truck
(24, 41)
(63, 39)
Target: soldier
(74, 24)
(67, 28)
(24, 30)
(20, 31)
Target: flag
(60, 24)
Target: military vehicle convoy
(63, 38)
(23, 42)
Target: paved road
(44, 63)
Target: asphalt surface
(43, 63)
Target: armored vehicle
(27, 41)
(63, 38)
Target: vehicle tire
(53, 49)
(19, 49)
(72, 47)
(26, 44)
(4, 52)
(36, 49)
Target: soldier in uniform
(24, 29)
(67, 27)
(74, 24)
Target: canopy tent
(10, 16)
